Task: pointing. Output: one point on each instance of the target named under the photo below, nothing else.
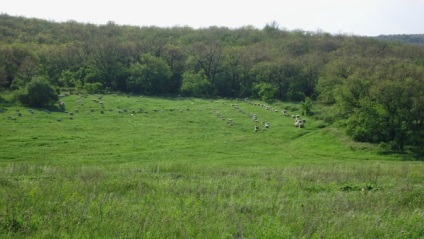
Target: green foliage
(3, 77)
(387, 112)
(368, 123)
(69, 79)
(37, 93)
(307, 106)
(151, 76)
(408, 38)
(332, 76)
(93, 88)
(104, 64)
(195, 84)
(266, 91)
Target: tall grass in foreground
(371, 200)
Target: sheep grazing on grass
(266, 125)
(102, 112)
(256, 128)
(19, 114)
(61, 104)
(59, 119)
(299, 123)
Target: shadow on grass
(413, 154)
(4, 104)
(53, 108)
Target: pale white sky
(359, 17)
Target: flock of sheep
(299, 123)
(258, 125)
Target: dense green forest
(407, 38)
(373, 88)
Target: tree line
(374, 87)
(406, 38)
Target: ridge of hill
(405, 38)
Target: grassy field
(172, 168)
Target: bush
(266, 91)
(93, 88)
(37, 93)
(307, 106)
(195, 84)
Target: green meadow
(169, 167)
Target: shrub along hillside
(376, 87)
